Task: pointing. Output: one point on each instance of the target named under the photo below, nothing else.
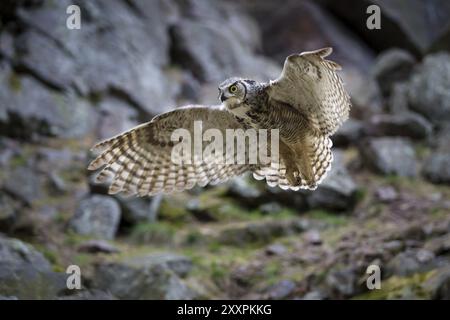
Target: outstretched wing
(140, 161)
(311, 84)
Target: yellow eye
(233, 88)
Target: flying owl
(307, 104)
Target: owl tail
(310, 163)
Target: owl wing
(311, 84)
(139, 161)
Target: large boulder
(437, 167)
(154, 276)
(392, 66)
(338, 189)
(100, 56)
(429, 92)
(25, 273)
(390, 156)
(407, 124)
(415, 25)
(27, 107)
(214, 42)
(97, 216)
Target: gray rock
(416, 29)
(246, 191)
(25, 184)
(314, 295)
(390, 156)
(386, 194)
(408, 124)
(9, 212)
(349, 133)
(342, 283)
(141, 44)
(398, 101)
(270, 208)
(276, 249)
(97, 246)
(47, 112)
(337, 191)
(145, 277)
(218, 46)
(392, 66)
(97, 216)
(281, 290)
(260, 232)
(437, 167)
(438, 284)
(404, 264)
(89, 295)
(135, 210)
(313, 237)
(25, 273)
(428, 88)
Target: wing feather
(312, 85)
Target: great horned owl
(307, 103)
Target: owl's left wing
(311, 84)
(140, 161)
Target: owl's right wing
(139, 161)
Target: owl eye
(233, 89)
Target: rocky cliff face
(385, 201)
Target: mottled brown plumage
(307, 103)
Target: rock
(398, 102)
(9, 212)
(246, 191)
(25, 184)
(390, 156)
(439, 245)
(116, 117)
(270, 208)
(281, 290)
(276, 249)
(407, 263)
(415, 29)
(141, 45)
(219, 46)
(386, 194)
(97, 246)
(337, 191)
(391, 67)
(408, 124)
(93, 294)
(424, 256)
(136, 210)
(437, 167)
(342, 283)
(349, 133)
(25, 273)
(47, 112)
(314, 295)
(146, 277)
(438, 284)
(313, 237)
(428, 88)
(97, 216)
(260, 232)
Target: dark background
(385, 202)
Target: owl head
(234, 91)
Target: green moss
(399, 288)
(153, 233)
(174, 211)
(14, 82)
(328, 217)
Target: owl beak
(222, 96)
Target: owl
(306, 104)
